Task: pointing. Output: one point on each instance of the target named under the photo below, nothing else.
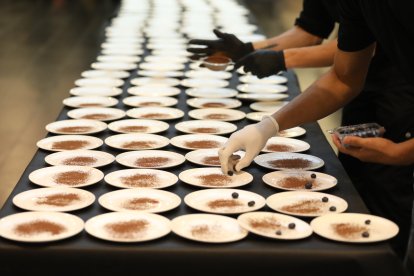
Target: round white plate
(196, 67)
(60, 199)
(137, 141)
(167, 46)
(82, 126)
(154, 91)
(89, 158)
(207, 157)
(262, 97)
(141, 178)
(143, 101)
(268, 80)
(66, 176)
(40, 226)
(211, 92)
(265, 160)
(69, 142)
(204, 83)
(275, 226)
(155, 113)
(128, 226)
(296, 180)
(214, 178)
(208, 74)
(257, 116)
(155, 81)
(282, 144)
(348, 227)
(165, 59)
(268, 106)
(208, 228)
(123, 66)
(161, 66)
(120, 51)
(219, 114)
(105, 74)
(292, 132)
(171, 52)
(222, 201)
(97, 113)
(206, 127)
(138, 126)
(140, 200)
(150, 159)
(305, 204)
(90, 101)
(213, 103)
(118, 58)
(262, 88)
(198, 141)
(99, 82)
(96, 91)
(160, 74)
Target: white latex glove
(252, 139)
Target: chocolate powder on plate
(202, 144)
(348, 230)
(71, 178)
(90, 105)
(140, 180)
(127, 229)
(224, 203)
(296, 182)
(148, 162)
(134, 128)
(211, 160)
(265, 223)
(201, 230)
(291, 163)
(305, 206)
(213, 104)
(279, 148)
(140, 203)
(80, 161)
(217, 116)
(69, 145)
(97, 116)
(39, 227)
(214, 179)
(204, 130)
(139, 145)
(150, 104)
(155, 116)
(75, 129)
(59, 200)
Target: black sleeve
(315, 18)
(354, 33)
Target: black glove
(229, 44)
(263, 63)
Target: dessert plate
(213, 103)
(155, 113)
(81, 126)
(141, 178)
(219, 114)
(292, 132)
(262, 97)
(122, 66)
(155, 81)
(289, 161)
(205, 74)
(206, 127)
(158, 66)
(96, 91)
(160, 74)
(69, 142)
(282, 144)
(89, 158)
(248, 78)
(262, 88)
(105, 74)
(97, 113)
(214, 178)
(90, 101)
(137, 141)
(204, 83)
(99, 82)
(154, 90)
(138, 126)
(118, 58)
(300, 180)
(150, 159)
(268, 106)
(145, 101)
(198, 141)
(207, 157)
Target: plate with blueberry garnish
(300, 180)
(354, 227)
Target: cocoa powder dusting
(80, 161)
(216, 116)
(141, 203)
(90, 105)
(39, 227)
(213, 104)
(204, 130)
(201, 231)
(140, 180)
(348, 230)
(211, 160)
(127, 229)
(58, 200)
(139, 145)
(279, 148)
(152, 161)
(304, 207)
(97, 116)
(202, 144)
(293, 163)
(295, 182)
(155, 116)
(69, 145)
(75, 129)
(214, 179)
(71, 178)
(150, 104)
(224, 203)
(265, 223)
(133, 129)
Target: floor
(46, 44)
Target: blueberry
(313, 176)
(332, 208)
(292, 225)
(367, 222)
(365, 234)
(325, 199)
(308, 185)
(251, 203)
(235, 195)
(278, 232)
(230, 173)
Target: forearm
(405, 152)
(312, 56)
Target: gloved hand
(263, 63)
(229, 44)
(252, 139)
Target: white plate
(96, 91)
(114, 226)
(213, 103)
(207, 157)
(120, 51)
(160, 74)
(54, 199)
(171, 52)
(161, 66)
(123, 66)
(97, 113)
(208, 228)
(66, 176)
(305, 204)
(209, 92)
(282, 144)
(196, 66)
(140, 200)
(99, 82)
(263, 97)
(275, 226)
(309, 162)
(198, 141)
(268, 80)
(348, 227)
(69, 142)
(155, 113)
(268, 106)
(143, 101)
(166, 46)
(89, 158)
(90, 101)
(219, 114)
(150, 159)
(257, 116)
(118, 58)
(155, 81)
(165, 59)
(138, 126)
(141, 178)
(222, 201)
(105, 74)
(137, 141)
(81, 126)
(123, 45)
(206, 127)
(204, 83)
(262, 88)
(214, 178)
(154, 91)
(296, 180)
(30, 226)
(208, 74)
(292, 132)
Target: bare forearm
(406, 152)
(312, 56)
